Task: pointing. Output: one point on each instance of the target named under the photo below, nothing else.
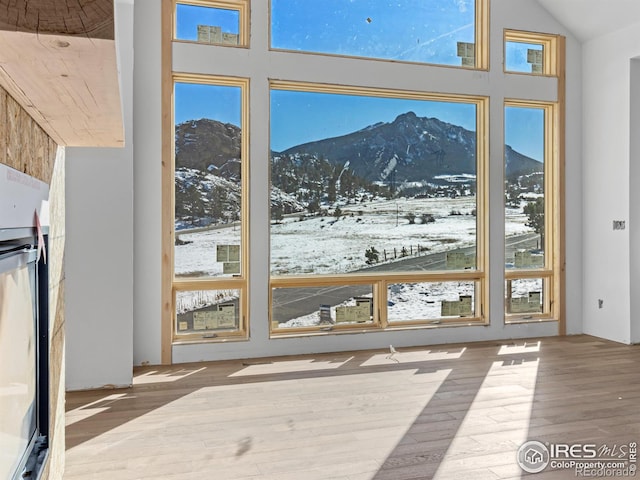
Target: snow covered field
(303, 244)
(197, 257)
(406, 302)
(326, 245)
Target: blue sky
(354, 27)
(516, 56)
(188, 17)
(375, 28)
(299, 117)
(524, 131)
(195, 101)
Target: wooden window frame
(554, 61)
(168, 289)
(549, 273)
(481, 40)
(238, 282)
(380, 281)
(240, 6)
(549, 43)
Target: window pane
(207, 24)
(18, 375)
(326, 307)
(208, 187)
(430, 301)
(523, 57)
(425, 31)
(365, 184)
(524, 295)
(524, 187)
(207, 312)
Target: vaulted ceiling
(589, 19)
(58, 61)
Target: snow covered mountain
(410, 156)
(412, 148)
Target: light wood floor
(446, 412)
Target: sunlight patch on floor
(524, 347)
(401, 356)
(505, 398)
(93, 408)
(327, 425)
(155, 377)
(289, 366)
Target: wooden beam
(561, 253)
(69, 86)
(58, 61)
(168, 225)
(87, 18)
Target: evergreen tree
(535, 213)
(372, 255)
(277, 213)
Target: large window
(450, 32)
(530, 209)
(210, 171)
(374, 183)
(369, 183)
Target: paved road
(291, 303)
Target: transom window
(438, 32)
(215, 22)
(528, 52)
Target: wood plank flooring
(443, 412)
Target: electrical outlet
(600, 303)
(619, 225)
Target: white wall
(147, 183)
(264, 64)
(607, 175)
(99, 245)
(634, 198)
